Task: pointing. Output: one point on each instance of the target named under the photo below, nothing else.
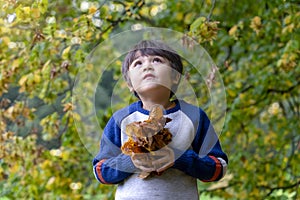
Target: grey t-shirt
(172, 184)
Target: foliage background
(44, 43)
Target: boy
(152, 71)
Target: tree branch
(211, 9)
(269, 90)
(274, 90)
(297, 184)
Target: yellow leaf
(14, 168)
(37, 78)
(238, 85)
(68, 107)
(242, 96)
(92, 9)
(65, 53)
(30, 79)
(231, 92)
(75, 20)
(89, 66)
(22, 80)
(288, 19)
(50, 183)
(65, 155)
(233, 30)
(46, 65)
(76, 116)
(188, 19)
(26, 10)
(76, 186)
(43, 6)
(208, 2)
(46, 164)
(255, 191)
(61, 34)
(6, 40)
(179, 16)
(89, 35)
(15, 64)
(35, 13)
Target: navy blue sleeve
(110, 165)
(206, 160)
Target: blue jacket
(197, 149)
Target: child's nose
(147, 65)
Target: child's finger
(164, 167)
(144, 166)
(146, 169)
(161, 160)
(140, 157)
(164, 153)
(142, 162)
(164, 162)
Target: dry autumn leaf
(147, 136)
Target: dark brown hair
(153, 48)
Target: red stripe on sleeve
(98, 170)
(218, 169)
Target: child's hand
(158, 161)
(143, 162)
(163, 159)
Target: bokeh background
(44, 44)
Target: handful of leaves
(147, 136)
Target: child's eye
(137, 64)
(157, 60)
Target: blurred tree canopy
(44, 43)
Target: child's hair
(153, 48)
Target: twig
(283, 187)
(211, 9)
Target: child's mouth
(148, 76)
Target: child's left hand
(163, 159)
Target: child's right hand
(143, 162)
(157, 161)
(163, 159)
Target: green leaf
(43, 6)
(197, 23)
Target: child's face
(149, 72)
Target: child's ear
(128, 81)
(129, 85)
(176, 78)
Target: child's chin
(151, 86)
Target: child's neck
(158, 95)
(147, 105)
(150, 100)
